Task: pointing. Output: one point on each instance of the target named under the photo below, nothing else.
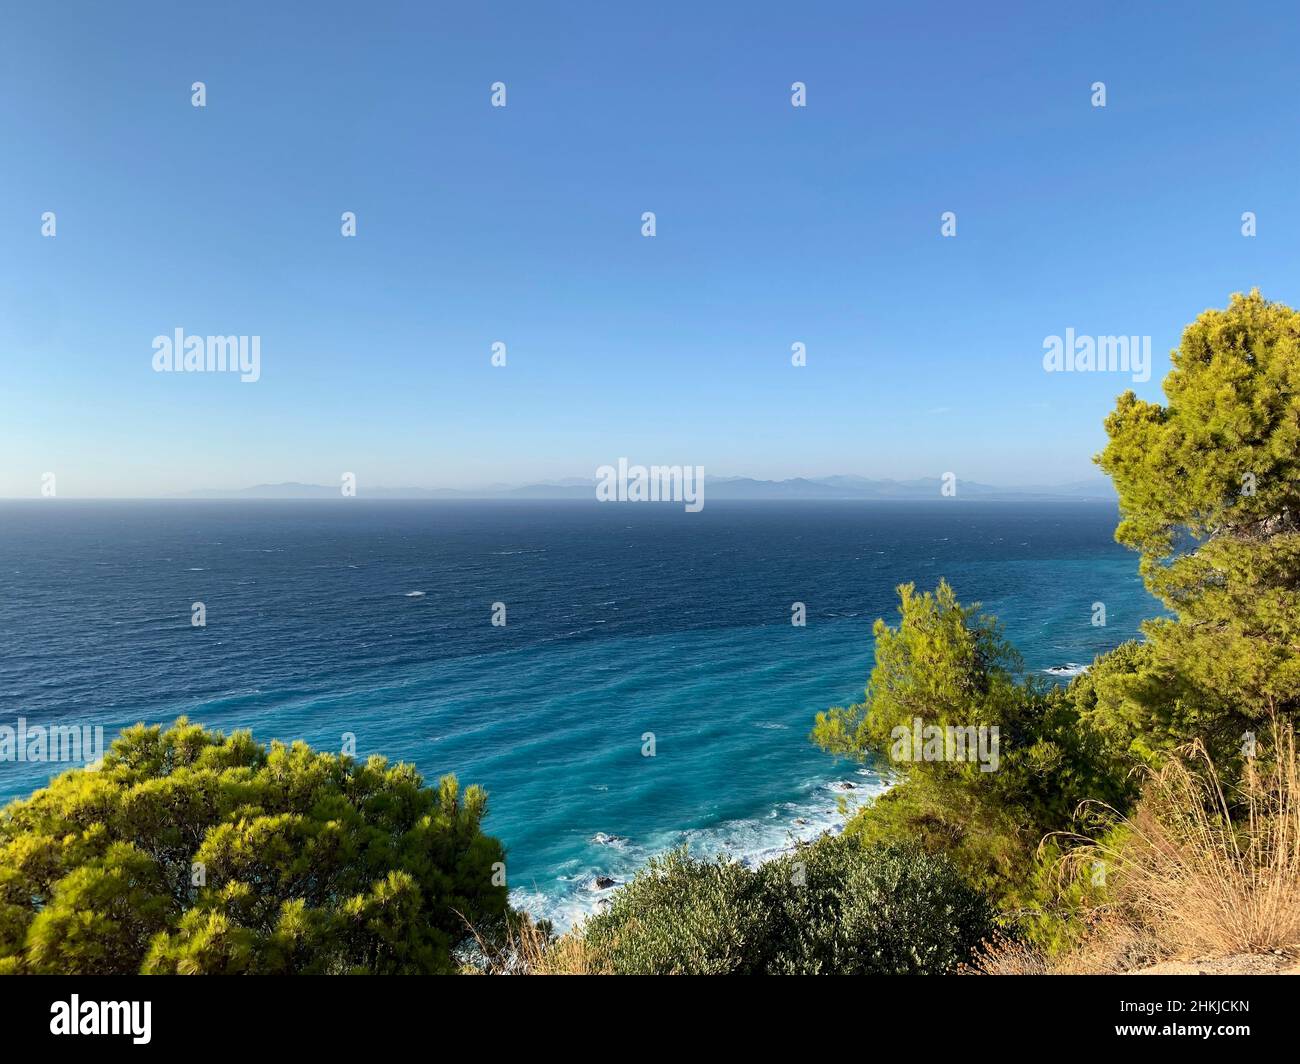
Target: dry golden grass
(1112, 946)
(1006, 956)
(1199, 870)
(1209, 870)
(529, 950)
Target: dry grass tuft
(528, 949)
(1208, 870)
(1199, 870)
(1007, 956)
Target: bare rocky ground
(1237, 964)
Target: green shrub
(947, 665)
(833, 907)
(191, 852)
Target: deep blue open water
(621, 620)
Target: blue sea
(374, 618)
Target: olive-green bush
(833, 908)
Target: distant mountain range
(834, 487)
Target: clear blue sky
(522, 224)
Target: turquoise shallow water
(621, 621)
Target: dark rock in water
(604, 882)
(849, 786)
(1070, 668)
(601, 839)
(801, 820)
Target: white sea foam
(574, 896)
(415, 594)
(618, 841)
(1070, 668)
